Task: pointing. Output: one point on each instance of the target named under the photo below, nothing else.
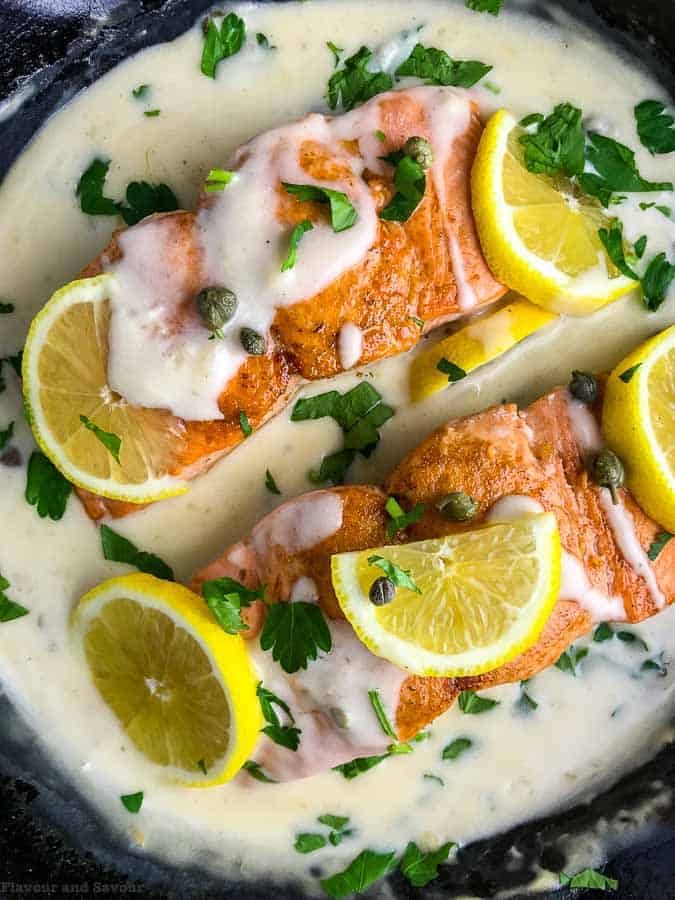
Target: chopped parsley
(217, 180)
(336, 51)
(658, 544)
(366, 869)
(658, 664)
(615, 170)
(244, 424)
(140, 91)
(9, 610)
(429, 776)
(399, 519)
(589, 878)
(434, 66)
(201, 765)
(255, 770)
(270, 483)
(613, 242)
(6, 435)
(381, 136)
(473, 705)
(110, 441)
(221, 43)
(627, 375)
(557, 144)
(308, 843)
(664, 210)
(117, 548)
(570, 659)
(526, 703)
(6, 308)
(142, 198)
(132, 802)
(46, 488)
(360, 765)
(410, 183)
(385, 724)
(656, 281)
(455, 748)
(342, 213)
(398, 576)
(152, 113)
(488, 6)
(451, 369)
(629, 637)
(355, 82)
(360, 413)
(296, 236)
(421, 868)
(284, 735)
(226, 597)
(604, 632)
(640, 246)
(295, 632)
(263, 41)
(655, 127)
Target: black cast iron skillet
(51, 842)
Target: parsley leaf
(295, 632)
(140, 91)
(284, 735)
(333, 468)
(222, 43)
(132, 802)
(628, 373)
(342, 213)
(557, 145)
(46, 488)
(455, 748)
(410, 183)
(225, 597)
(9, 610)
(526, 703)
(436, 67)
(151, 113)
(110, 441)
(421, 868)
(255, 770)
(355, 82)
(655, 127)
(360, 765)
(336, 51)
(656, 281)
(589, 878)
(658, 665)
(612, 240)
(6, 435)
(399, 518)
(400, 577)
(270, 483)
(615, 166)
(366, 869)
(473, 705)
(308, 843)
(6, 308)
(296, 237)
(142, 198)
(451, 369)
(603, 632)
(629, 637)
(117, 548)
(658, 544)
(263, 41)
(489, 6)
(385, 724)
(90, 190)
(217, 180)
(570, 659)
(244, 424)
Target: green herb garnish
(142, 198)
(366, 869)
(221, 43)
(399, 518)
(557, 144)
(296, 236)
(270, 483)
(308, 843)
(613, 242)
(6, 435)
(664, 210)
(429, 776)
(336, 51)
(615, 170)
(421, 868)
(6, 308)
(201, 765)
(628, 374)
(360, 765)
(398, 576)
(410, 183)
(140, 91)
(217, 180)
(385, 724)
(455, 748)
(110, 441)
(473, 705)
(255, 770)
(46, 488)
(656, 281)
(338, 825)
(436, 67)
(589, 878)
(570, 659)
(655, 127)
(342, 213)
(451, 369)
(132, 802)
(355, 82)
(151, 113)
(9, 610)
(295, 632)
(488, 6)
(226, 597)
(657, 664)
(117, 548)
(629, 637)
(658, 544)
(263, 41)
(244, 424)
(603, 632)
(284, 735)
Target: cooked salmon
(416, 271)
(538, 453)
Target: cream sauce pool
(587, 730)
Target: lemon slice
(183, 689)
(638, 420)
(485, 596)
(65, 366)
(474, 345)
(539, 234)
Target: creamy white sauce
(350, 345)
(519, 767)
(304, 589)
(585, 428)
(300, 524)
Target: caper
(252, 342)
(458, 507)
(382, 591)
(584, 386)
(216, 306)
(608, 472)
(419, 149)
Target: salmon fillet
(501, 452)
(408, 275)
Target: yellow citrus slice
(484, 596)
(183, 689)
(539, 234)
(65, 367)
(638, 420)
(476, 344)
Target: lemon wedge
(484, 597)
(64, 371)
(638, 421)
(475, 345)
(183, 690)
(539, 234)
